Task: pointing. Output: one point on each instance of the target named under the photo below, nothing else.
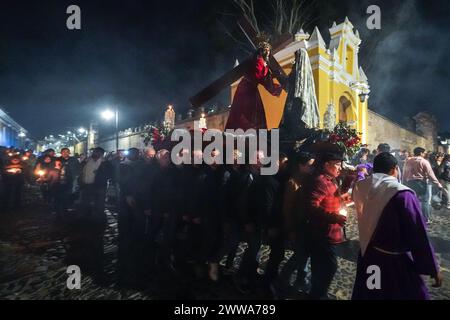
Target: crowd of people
(183, 220)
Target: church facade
(342, 91)
(341, 86)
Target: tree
(277, 17)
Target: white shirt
(89, 170)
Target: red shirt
(324, 202)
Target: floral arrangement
(154, 134)
(346, 138)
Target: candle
(40, 173)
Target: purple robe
(400, 228)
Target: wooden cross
(231, 76)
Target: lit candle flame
(40, 173)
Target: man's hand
(437, 280)
(346, 197)
(340, 219)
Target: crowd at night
(224, 150)
(185, 219)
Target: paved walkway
(34, 250)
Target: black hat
(331, 156)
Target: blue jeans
(425, 202)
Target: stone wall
(383, 130)
(216, 120)
(426, 125)
(133, 140)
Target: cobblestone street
(34, 250)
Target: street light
(81, 130)
(108, 115)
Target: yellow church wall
(328, 90)
(349, 58)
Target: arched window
(344, 109)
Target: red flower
(333, 138)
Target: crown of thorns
(263, 41)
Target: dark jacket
(445, 175)
(71, 168)
(263, 201)
(237, 182)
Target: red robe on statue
(247, 110)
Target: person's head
(98, 153)
(419, 152)
(303, 162)
(331, 164)
(264, 49)
(255, 161)
(215, 154)
(150, 153)
(50, 152)
(133, 154)
(282, 162)
(383, 147)
(439, 157)
(28, 153)
(65, 153)
(163, 157)
(386, 163)
(15, 159)
(47, 159)
(364, 152)
(58, 164)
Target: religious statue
(329, 118)
(301, 111)
(247, 110)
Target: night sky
(142, 55)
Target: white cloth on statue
(305, 90)
(89, 170)
(371, 196)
